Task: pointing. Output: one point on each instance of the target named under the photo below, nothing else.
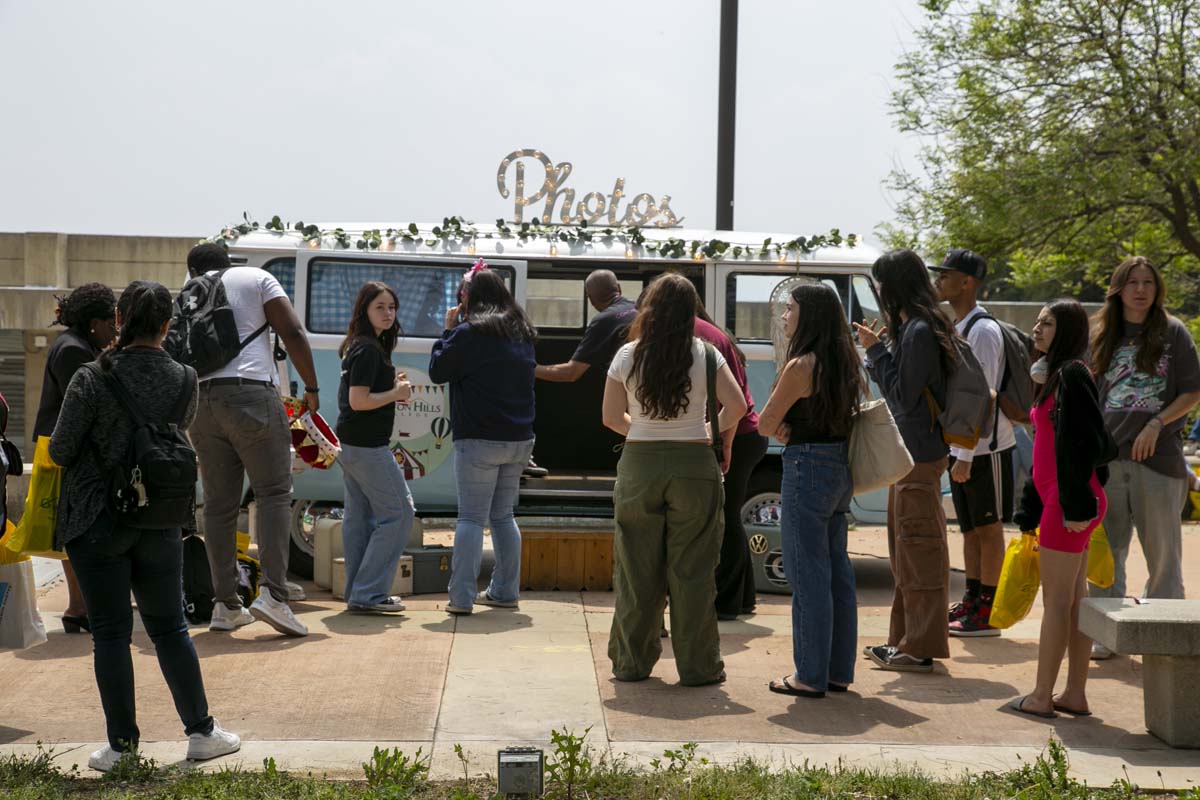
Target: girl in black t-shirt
(378, 507)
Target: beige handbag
(878, 457)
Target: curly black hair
(86, 303)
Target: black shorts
(987, 496)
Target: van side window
(556, 302)
(284, 270)
(426, 291)
(748, 312)
(864, 305)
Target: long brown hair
(1070, 342)
(904, 286)
(361, 329)
(837, 381)
(662, 357)
(1109, 321)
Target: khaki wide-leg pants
(920, 562)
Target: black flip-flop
(785, 687)
(839, 687)
(1018, 705)
(1074, 712)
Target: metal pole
(726, 113)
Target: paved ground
(499, 678)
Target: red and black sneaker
(975, 624)
(962, 609)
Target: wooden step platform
(569, 561)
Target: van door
(327, 283)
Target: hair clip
(478, 266)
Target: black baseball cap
(968, 262)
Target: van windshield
(425, 291)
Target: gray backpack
(1014, 395)
(970, 403)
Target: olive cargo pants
(667, 502)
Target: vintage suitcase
(402, 584)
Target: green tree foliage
(1059, 137)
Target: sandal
(1018, 705)
(1074, 712)
(784, 686)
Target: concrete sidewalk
(499, 678)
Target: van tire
(300, 548)
(763, 491)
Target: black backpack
(203, 330)
(154, 486)
(198, 595)
(1014, 395)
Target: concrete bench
(1166, 633)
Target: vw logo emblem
(758, 544)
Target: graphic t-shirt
(1131, 397)
(367, 365)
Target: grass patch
(574, 772)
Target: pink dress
(1052, 533)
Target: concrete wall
(34, 267)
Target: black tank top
(805, 429)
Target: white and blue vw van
(323, 275)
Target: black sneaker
(974, 625)
(889, 657)
(532, 470)
(961, 609)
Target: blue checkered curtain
(425, 294)
(284, 270)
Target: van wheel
(763, 499)
(301, 547)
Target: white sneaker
(388, 605)
(1100, 652)
(484, 599)
(295, 592)
(277, 614)
(225, 618)
(106, 758)
(220, 742)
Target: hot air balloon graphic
(440, 428)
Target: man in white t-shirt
(981, 481)
(241, 429)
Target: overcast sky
(129, 117)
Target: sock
(973, 587)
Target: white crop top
(685, 428)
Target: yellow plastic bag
(1100, 559)
(8, 556)
(35, 532)
(1020, 578)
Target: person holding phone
(379, 508)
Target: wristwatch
(311, 390)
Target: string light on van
(554, 249)
(387, 245)
(314, 243)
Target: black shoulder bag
(710, 372)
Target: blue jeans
(377, 523)
(816, 496)
(110, 561)
(489, 477)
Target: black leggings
(735, 572)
